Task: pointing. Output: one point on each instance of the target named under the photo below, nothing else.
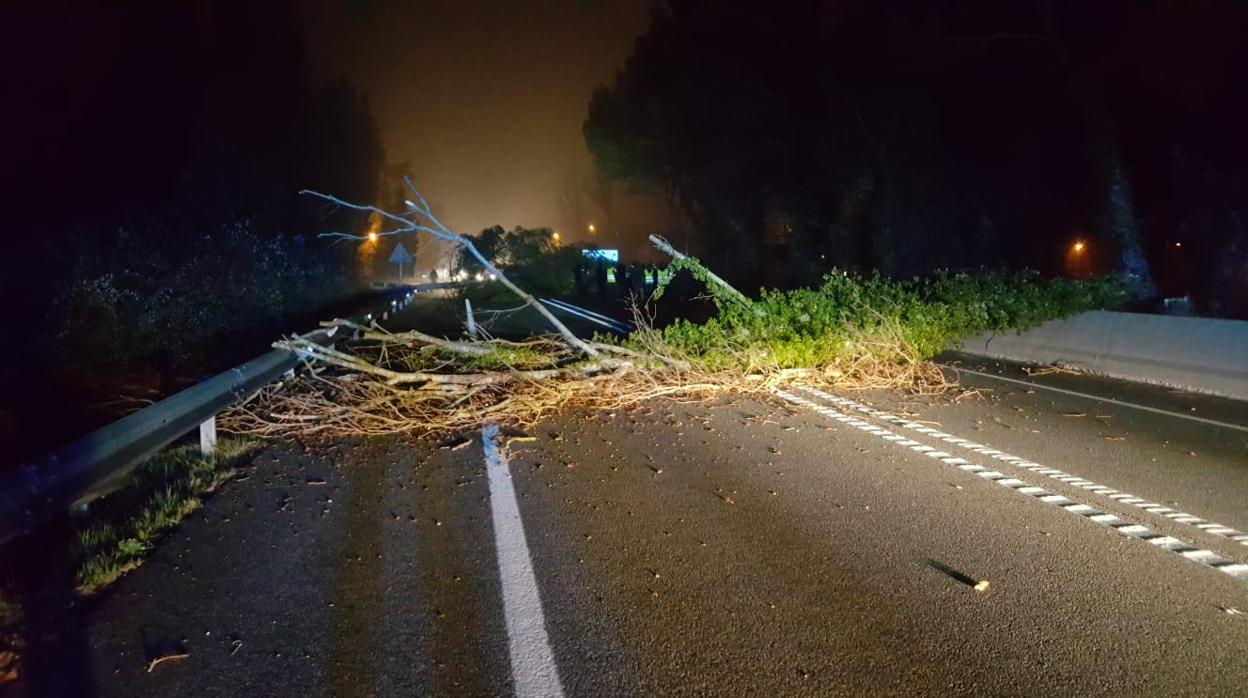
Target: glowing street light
(554, 237)
(591, 228)
(372, 237)
(1077, 248)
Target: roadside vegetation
(119, 530)
(848, 332)
(532, 257)
(129, 296)
(849, 323)
(11, 643)
(117, 533)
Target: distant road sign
(400, 255)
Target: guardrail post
(208, 436)
(87, 468)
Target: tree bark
(1117, 204)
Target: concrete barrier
(1198, 354)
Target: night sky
(483, 102)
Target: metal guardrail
(85, 469)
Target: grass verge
(118, 531)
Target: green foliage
(122, 527)
(504, 357)
(847, 318)
(10, 615)
(721, 296)
(11, 641)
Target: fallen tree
(849, 332)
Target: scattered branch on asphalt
(847, 333)
(157, 661)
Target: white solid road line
(1152, 507)
(587, 311)
(587, 315)
(533, 669)
(1144, 533)
(1112, 401)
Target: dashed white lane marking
(533, 667)
(1075, 481)
(1190, 552)
(1110, 400)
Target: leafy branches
(847, 332)
(848, 318)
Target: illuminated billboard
(612, 256)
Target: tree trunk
(1117, 205)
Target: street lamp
(1077, 248)
(591, 228)
(372, 237)
(554, 237)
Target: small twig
(164, 658)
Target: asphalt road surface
(1020, 539)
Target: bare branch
(420, 210)
(410, 336)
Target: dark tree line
(909, 136)
(153, 151)
(205, 108)
(167, 122)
